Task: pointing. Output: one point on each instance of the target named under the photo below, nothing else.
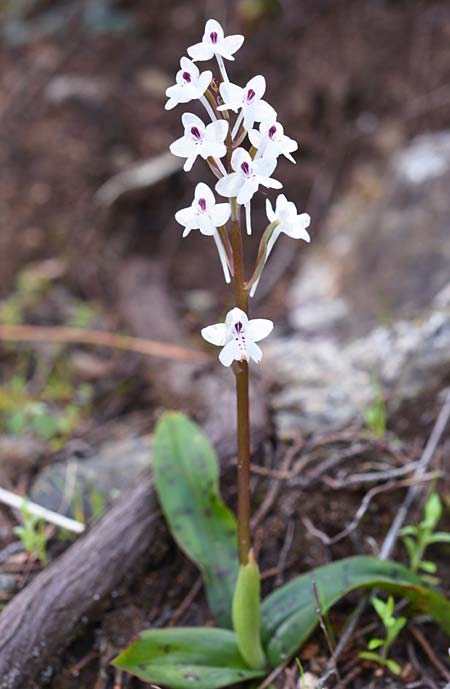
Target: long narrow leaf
(197, 657)
(289, 614)
(187, 480)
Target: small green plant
(418, 537)
(393, 626)
(375, 416)
(32, 534)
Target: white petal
(188, 66)
(204, 81)
(221, 214)
(189, 120)
(205, 224)
(213, 26)
(182, 147)
(247, 191)
(258, 85)
(255, 138)
(215, 334)
(216, 131)
(200, 51)
(231, 96)
(269, 211)
(229, 185)
(232, 43)
(249, 117)
(254, 352)
(240, 155)
(281, 204)
(259, 328)
(234, 316)
(264, 166)
(202, 191)
(229, 353)
(187, 167)
(263, 111)
(187, 217)
(211, 148)
(298, 228)
(171, 103)
(269, 182)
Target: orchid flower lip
(238, 336)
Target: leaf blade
(202, 658)
(187, 480)
(289, 615)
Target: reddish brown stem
(243, 418)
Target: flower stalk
(242, 396)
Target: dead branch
(60, 335)
(44, 617)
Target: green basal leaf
(197, 657)
(247, 614)
(187, 480)
(289, 614)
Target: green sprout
(375, 416)
(417, 538)
(393, 626)
(32, 534)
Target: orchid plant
(253, 637)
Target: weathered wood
(46, 615)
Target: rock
(324, 384)
(371, 303)
(385, 250)
(82, 487)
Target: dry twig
(60, 335)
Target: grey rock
(81, 487)
(323, 384)
(384, 252)
(371, 301)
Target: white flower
(249, 98)
(247, 176)
(206, 215)
(200, 140)
(214, 43)
(238, 337)
(271, 141)
(190, 84)
(290, 223)
(285, 214)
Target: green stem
(243, 418)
